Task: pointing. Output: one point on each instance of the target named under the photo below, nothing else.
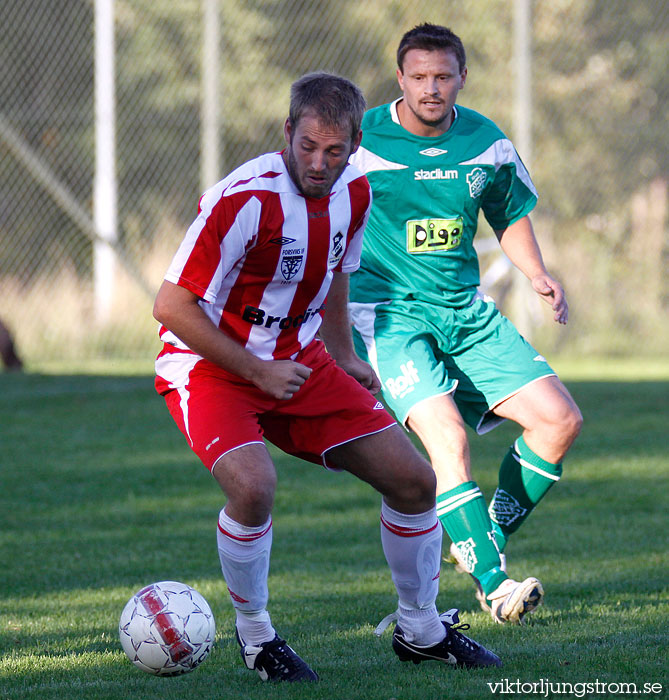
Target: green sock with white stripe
(463, 514)
(524, 479)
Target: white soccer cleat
(512, 600)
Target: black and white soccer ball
(167, 628)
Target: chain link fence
(197, 87)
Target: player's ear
(463, 77)
(400, 79)
(287, 131)
(356, 142)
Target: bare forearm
(336, 327)
(336, 334)
(179, 311)
(520, 245)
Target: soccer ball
(167, 628)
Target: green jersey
(419, 242)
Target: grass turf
(100, 495)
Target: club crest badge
(337, 249)
(476, 180)
(467, 552)
(291, 265)
(504, 508)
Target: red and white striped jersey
(260, 255)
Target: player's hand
(362, 371)
(281, 378)
(551, 291)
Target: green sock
(524, 479)
(462, 511)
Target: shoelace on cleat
(278, 656)
(381, 627)
(456, 628)
(463, 638)
(450, 618)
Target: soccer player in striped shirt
(256, 290)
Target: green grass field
(99, 495)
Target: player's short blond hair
(335, 100)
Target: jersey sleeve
(214, 242)
(361, 190)
(511, 196)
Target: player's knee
(427, 484)
(417, 486)
(571, 423)
(576, 422)
(254, 506)
(252, 500)
(561, 424)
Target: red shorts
(218, 411)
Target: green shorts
(420, 351)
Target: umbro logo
(378, 406)
(433, 152)
(283, 240)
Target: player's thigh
(440, 427)
(391, 464)
(544, 401)
(438, 422)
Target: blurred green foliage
(600, 154)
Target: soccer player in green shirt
(445, 355)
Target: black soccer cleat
(275, 661)
(455, 648)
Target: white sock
(412, 545)
(244, 553)
(254, 627)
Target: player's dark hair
(431, 37)
(335, 101)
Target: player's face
(317, 154)
(430, 82)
